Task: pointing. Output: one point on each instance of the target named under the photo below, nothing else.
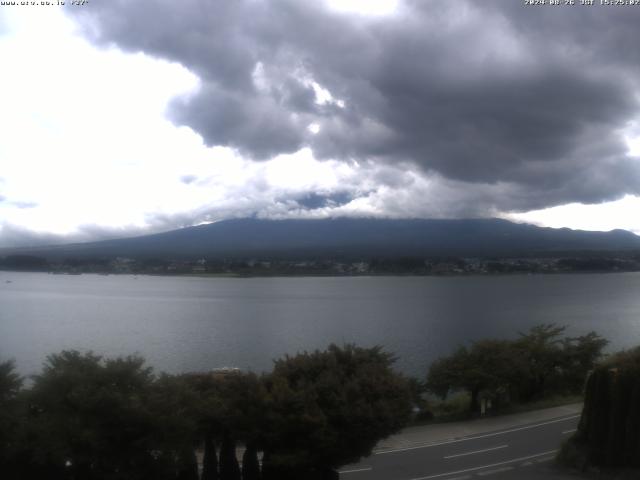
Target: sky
(120, 118)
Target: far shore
(328, 275)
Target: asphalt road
(511, 453)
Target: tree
(10, 386)
(10, 381)
(580, 356)
(210, 459)
(229, 468)
(250, 464)
(89, 417)
(550, 364)
(609, 430)
(187, 464)
(208, 418)
(231, 409)
(487, 366)
(538, 363)
(243, 409)
(329, 408)
(176, 406)
(540, 358)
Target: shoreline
(327, 275)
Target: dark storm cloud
(530, 101)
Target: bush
(330, 408)
(91, 418)
(539, 364)
(609, 429)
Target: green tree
(329, 408)
(538, 363)
(229, 467)
(231, 410)
(10, 421)
(581, 354)
(10, 381)
(485, 367)
(176, 406)
(187, 464)
(210, 459)
(243, 410)
(548, 363)
(208, 418)
(90, 418)
(250, 464)
(540, 357)
(609, 430)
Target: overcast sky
(121, 117)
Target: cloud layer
(168, 114)
(523, 107)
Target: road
(516, 452)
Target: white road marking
(496, 470)
(477, 451)
(365, 469)
(569, 431)
(485, 466)
(466, 439)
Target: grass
(456, 408)
(549, 402)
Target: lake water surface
(184, 324)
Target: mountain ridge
(347, 237)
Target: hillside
(348, 238)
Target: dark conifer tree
(609, 430)
(10, 386)
(250, 464)
(229, 468)
(188, 465)
(268, 472)
(210, 460)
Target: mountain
(348, 238)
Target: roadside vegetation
(86, 417)
(608, 436)
(541, 367)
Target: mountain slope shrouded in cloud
(346, 237)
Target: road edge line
(485, 466)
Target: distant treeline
(24, 263)
(580, 262)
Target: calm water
(182, 324)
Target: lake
(192, 324)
